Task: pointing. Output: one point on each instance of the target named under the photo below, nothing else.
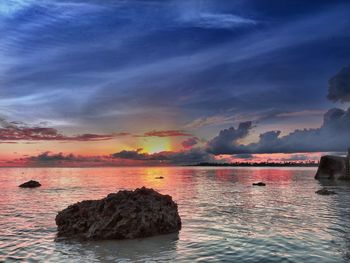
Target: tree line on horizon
(260, 164)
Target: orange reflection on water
(284, 175)
(224, 174)
(156, 177)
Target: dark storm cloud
(339, 86)
(333, 135)
(227, 140)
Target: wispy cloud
(10, 7)
(165, 133)
(216, 21)
(209, 121)
(105, 64)
(302, 113)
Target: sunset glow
(171, 83)
(156, 145)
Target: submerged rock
(30, 184)
(123, 215)
(325, 191)
(259, 184)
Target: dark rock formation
(325, 191)
(259, 184)
(159, 177)
(126, 214)
(331, 167)
(30, 184)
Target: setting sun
(156, 144)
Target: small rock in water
(325, 191)
(30, 184)
(159, 177)
(123, 215)
(259, 184)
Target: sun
(155, 145)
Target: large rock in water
(331, 167)
(126, 214)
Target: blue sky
(198, 66)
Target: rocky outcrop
(123, 215)
(30, 184)
(331, 167)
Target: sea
(224, 217)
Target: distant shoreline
(260, 164)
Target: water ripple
(225, 219)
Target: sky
(132, 82)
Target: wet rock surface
(123, 215)
(331, 167)
(325, 191)
(30, 184)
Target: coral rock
(123, 215)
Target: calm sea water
(225, 219)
